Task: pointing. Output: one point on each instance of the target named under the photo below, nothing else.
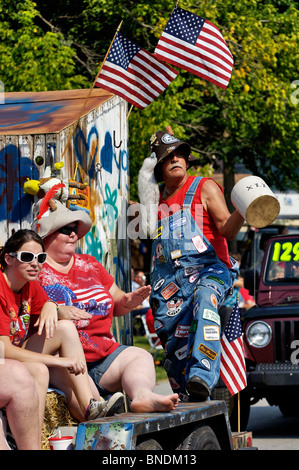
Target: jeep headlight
(259, 334)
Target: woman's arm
(47, 319)
(25, 355)
(124, 303)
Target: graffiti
(110, 210)
(107, 153)
(94, 244)
(90, 158)
(122, 165)
(14, 171)
(27, 112)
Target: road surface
(270, 429)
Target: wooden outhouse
(86, 131)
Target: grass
(142, 342)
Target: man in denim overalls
(188, 279)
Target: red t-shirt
(17, 309)
(201, 216)
(85, 286)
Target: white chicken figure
(149, 194)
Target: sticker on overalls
(193, 278)
(159, 250)
(215, 271)
(211, 316)
(193, 269)
(157, 325)
(169, 290)
(215, 288)
(214, 300)
(193, 326)
(177, 223)
(181, 331)
(211, 333)
(160, 253)
(174, 306)
(181, 353)
(206, 363)
(216, 279)
(199, 244)
(175, 254)
(195, 309)
(159, 284)
(207, 352)
(153, 264)
(158, 232)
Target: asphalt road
(270, 429)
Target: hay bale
(56, 414)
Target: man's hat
(47, 222)
(161, 144)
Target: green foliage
(32, 59)
(48, 46)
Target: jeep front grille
(284, 333)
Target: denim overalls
(188, 283)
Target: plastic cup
(61, 443)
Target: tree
(32, 59)
(254, 121)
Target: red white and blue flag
(232, 366)
(134, 73)
(196, 45)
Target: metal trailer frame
(122, 432)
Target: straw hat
(50, 220)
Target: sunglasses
(68, 230)
(28, 257)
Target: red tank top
(201, 216)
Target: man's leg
(19, 395)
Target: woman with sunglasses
(25, 306)
(87, 294)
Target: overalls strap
(191, 192)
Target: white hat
(48, 221)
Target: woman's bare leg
(133, 371)
(66, 342)
(59, 379)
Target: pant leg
(205, 331)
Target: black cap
(163, 144)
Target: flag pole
(129, 112)
(89, 93)
(239, 417)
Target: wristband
(53, 301)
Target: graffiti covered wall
(96, 153)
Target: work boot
(100, 409)
(198, 389)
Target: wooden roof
(46, 112)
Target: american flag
(196, 45)
(232, 368)
(134, 73)
(93, 299)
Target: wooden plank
(46, 112)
